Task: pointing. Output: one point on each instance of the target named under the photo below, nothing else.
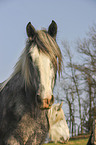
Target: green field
(71, 142)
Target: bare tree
(79, 82)
(87, 49)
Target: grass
(71, 142)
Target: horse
(58, 131)
(27, 94)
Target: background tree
(78, 82)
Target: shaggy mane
(47, 45)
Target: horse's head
(46, 75)
(55, 114)
(58, 130)
(44, 53)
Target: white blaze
(47, 74)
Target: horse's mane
(47, 45)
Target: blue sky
(73, 17)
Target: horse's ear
(60, 106)
(30, 31)
(52, 30)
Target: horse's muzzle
(47, 102)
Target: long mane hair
(47, 45)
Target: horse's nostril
(52, 100)
(47, 101)
(39, 99)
